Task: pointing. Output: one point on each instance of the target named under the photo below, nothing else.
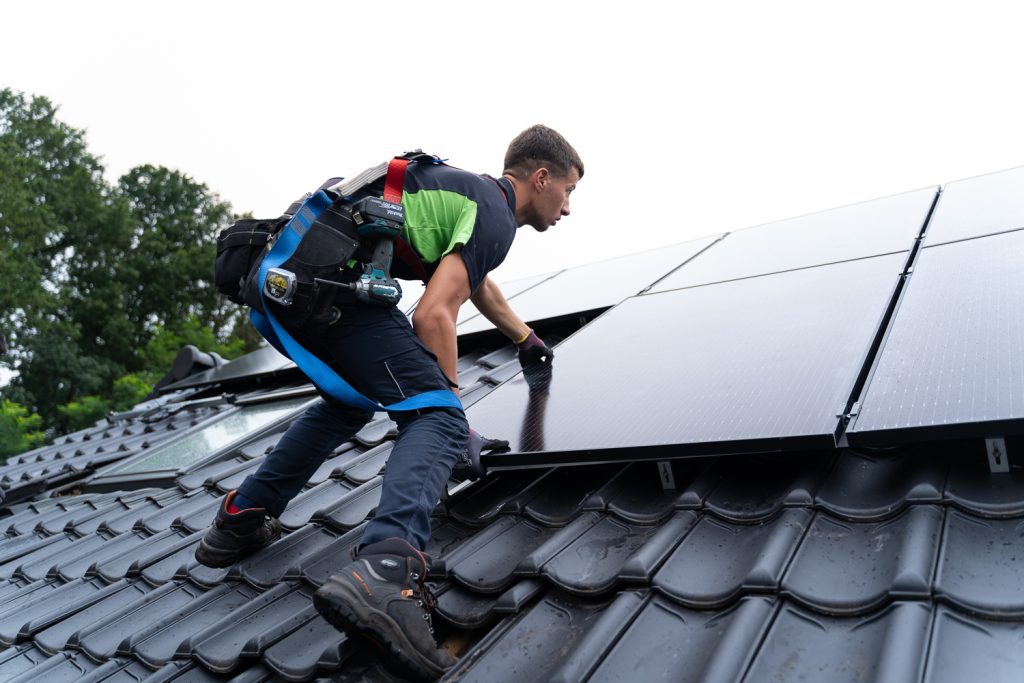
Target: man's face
(552, 199)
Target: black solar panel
(756, 364)
(510, 289)
(881, 226)
(596, 285)
(978, 206)
(953, 362)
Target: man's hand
(468, 466)
(533, 350)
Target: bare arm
(435, 315)
(492, 303)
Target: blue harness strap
(325, 379)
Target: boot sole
(345, 610)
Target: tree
(92, 272)
(19, 431)
(52, 196)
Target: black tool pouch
(239, 247)
(322, 253)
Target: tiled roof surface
(885, 564)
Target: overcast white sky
(691, 118)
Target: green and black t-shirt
(448, 209)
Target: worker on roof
(461, 226)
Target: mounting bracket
(668, 479)
(998, 461)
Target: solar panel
(750, 365)
(978, 206)
(881, 226)
(953, 362)
(596, 285)
(510, 289)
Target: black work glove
(538, 378)
(468, 465)
(533, 350)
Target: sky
(691, 118)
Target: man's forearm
(491, 302)
(438, 334)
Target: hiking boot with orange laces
(381, 597)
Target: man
(461, 226)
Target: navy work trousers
(376, 351)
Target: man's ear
(540, 178)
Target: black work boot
(381, 597)
(238, 535)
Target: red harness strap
(394, 184)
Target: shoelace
(425, 599)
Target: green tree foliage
(93, 273)
(19, 431)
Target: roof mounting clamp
(997, 458)
(668, 479)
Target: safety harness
(288, 241)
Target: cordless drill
(381, 220)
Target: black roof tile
(314, 648)
(592, 562)
(352, 508)
(318, 566)
(853, 568)
(756, 487)
(676, 644)
(717, 561)
(530, 646)
(208, 475)
(269, 566)
(63, 666)
(491, 565)
(172, 634)
(376, 431)
(641, 497)
(251, 629)
(362, 467)
(309, 502)
(104, 638)
(234, 478)
(489, 497)
(981, 565)
(867, 487)
(182, 512)
(557, 498)
(974, 488)
(40, 549)
(164, 569)
(133, 559)
(18, 660)
(131, 518)
(802, 646)
(55, 638)
(66, 562)
(465, 608)
(19, 620)
(964, 648)
(117, 671)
